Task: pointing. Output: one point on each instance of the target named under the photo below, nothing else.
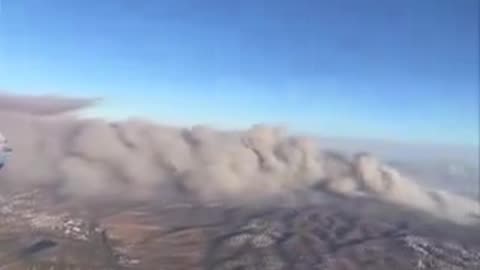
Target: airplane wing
(5, 150)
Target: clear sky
(403, 70)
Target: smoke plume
(42, 105)
(136, 159)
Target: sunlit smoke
(137, 158)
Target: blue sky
(400, 70)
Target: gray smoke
(42, 105)
(136, 158)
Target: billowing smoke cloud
(139, 159)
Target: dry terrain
(337, 235)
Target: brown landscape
(356, 234)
